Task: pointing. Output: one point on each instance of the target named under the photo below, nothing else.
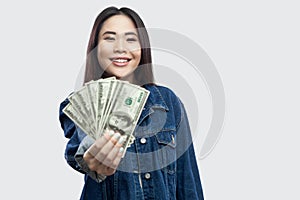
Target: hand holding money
(107, 104)
(105, 154)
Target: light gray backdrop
(254, 45)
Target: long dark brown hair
(144, 73)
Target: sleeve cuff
(83, 147)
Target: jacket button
(147, 175)
(143, 140)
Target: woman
(161, 163)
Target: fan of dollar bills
(107, 104)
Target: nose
(119, 46)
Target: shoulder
(164, 95)
(162, 90)
(166, 91)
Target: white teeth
(120, 60)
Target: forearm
(83, 147)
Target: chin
(122, 74)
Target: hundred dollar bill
(77, 119)
(116, 88)
(93, 91)
(92, 94)
(126, 109)
(80, 102)
(105, 89)
(111, 95)
(107, 104)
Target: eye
(109, 38)
(131, 40)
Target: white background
(254, 45)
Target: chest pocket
(166, 138)
(154, 120)
(166, 152)
(158, 126)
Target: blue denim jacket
(159, 165)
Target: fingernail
(121, 140)
(121, 150)
(116, 136)
(111, 133)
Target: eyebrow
(131, 33)
(114, 33)
(109, 32)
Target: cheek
(137, 54)
(103, 52)
(103, 49)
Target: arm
(74, 135)
(86, 155)
(188, 178)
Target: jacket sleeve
(188, 177)
(78, 143)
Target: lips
(120, 61)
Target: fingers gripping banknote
(107, 104)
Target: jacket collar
(154, 101)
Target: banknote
(79, 100)
(106, 88)
(125, 109)
(77, 119)
(107, 104)
(92, 92)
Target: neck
(130, 78)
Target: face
(119, 49)
(118, 121)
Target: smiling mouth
(120, 60)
